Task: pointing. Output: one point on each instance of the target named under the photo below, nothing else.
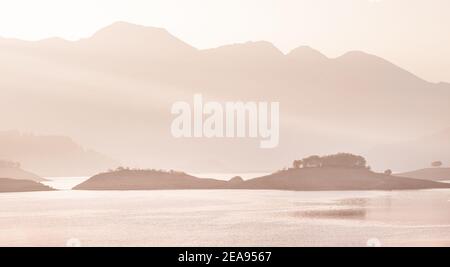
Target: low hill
(14, 185)
(147, 180)
(305, 179)
(435, 174)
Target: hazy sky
(414, 34)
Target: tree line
(341, 160)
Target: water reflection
(225, 218)
(348, 209)
(341, 213)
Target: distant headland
(14, 185)
(13, 170)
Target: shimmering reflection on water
(225, 218)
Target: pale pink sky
(411, 33)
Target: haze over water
(225, 218)
(358, 101)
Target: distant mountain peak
(129, 28)
(262, 44)
(256, 48)
(124, 33)
(307, 54)
(355, 54)
(376, 64)
(359, 57)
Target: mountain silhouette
(48, 156)
(136, 39)
(113, 92)
(306, 54)
(13, 170)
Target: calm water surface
(223, 218)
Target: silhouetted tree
(297, 164)
(436, 164)
(388, 172)
(344, 160)
(236, 180)
(312, 162)
(341, 160)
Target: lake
(223, 218)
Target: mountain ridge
(116, 99)
(140, 31)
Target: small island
(13, 185)
(340, 172)
(136, 179)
